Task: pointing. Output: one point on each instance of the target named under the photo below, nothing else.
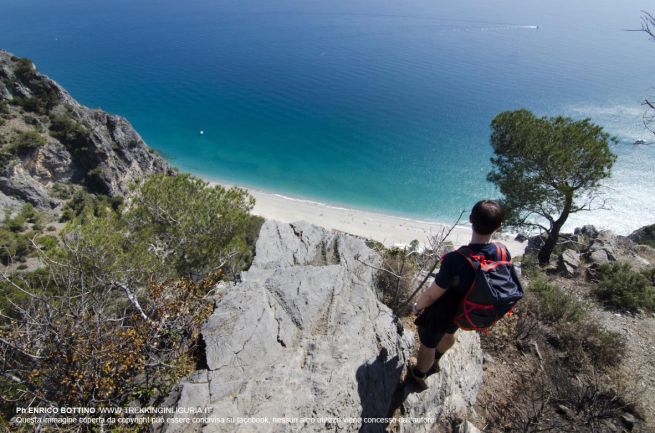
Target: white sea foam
(628, 193)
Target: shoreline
(390, 230)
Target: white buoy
(202, 132)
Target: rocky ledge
(304, 335)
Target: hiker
(439, 308)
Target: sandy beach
(388, 229)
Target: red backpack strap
(501, 251)
(470, 256)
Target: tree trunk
(553, 235)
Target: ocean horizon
(381, 106)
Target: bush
(197, 227)
(25, 142)
(620, 287)
(395, 291)
(90, 345)
(69, 131)
(45, 93)
(554, 304)
(588, 343)
(84, 205)
(4, 107)
(13, 246)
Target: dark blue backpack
(494, 291)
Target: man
(436, 307)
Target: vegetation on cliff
(110, 262)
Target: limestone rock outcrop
(304, 335)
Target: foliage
(71, 132)
(45, 94)
(547, 168)
(25, 142)
(588, 343)
(82, 206)
(188, 224)
(15, 244)
(619, 286)
(4, 107)
(79, 340)
(555, 305)
(397, 277)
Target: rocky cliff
(48, 138)
(304, 335)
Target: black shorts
(437, 320)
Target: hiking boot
(418, 377)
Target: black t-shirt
(456, 274)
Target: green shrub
(26, 141)
(13, 246)
(84, 205)
(29, 214)
(620, 287)
(555, 305)
(589, 343)
(529, 265)
(47, 243)
(24, 69)
(649, 274)
(69, 131)
(197, 227)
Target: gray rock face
(107, 157)
(644, 234)
(569, 262)
(304, 335)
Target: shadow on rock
(377, 385)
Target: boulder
(644, 235)
(587, 230)
(303, 335)
(467, 427)
(598, 257)
(568, 263)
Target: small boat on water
(640, 142)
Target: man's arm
(428, 297)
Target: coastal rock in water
(304, 335)
(77, 144)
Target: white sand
(387, 229)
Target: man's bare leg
(424, 358)
(445, 343)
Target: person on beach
(436, 308)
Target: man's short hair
(487, 216)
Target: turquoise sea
(382, 105)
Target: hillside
(49, 141)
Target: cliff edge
(48, 138)
(303, 335)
